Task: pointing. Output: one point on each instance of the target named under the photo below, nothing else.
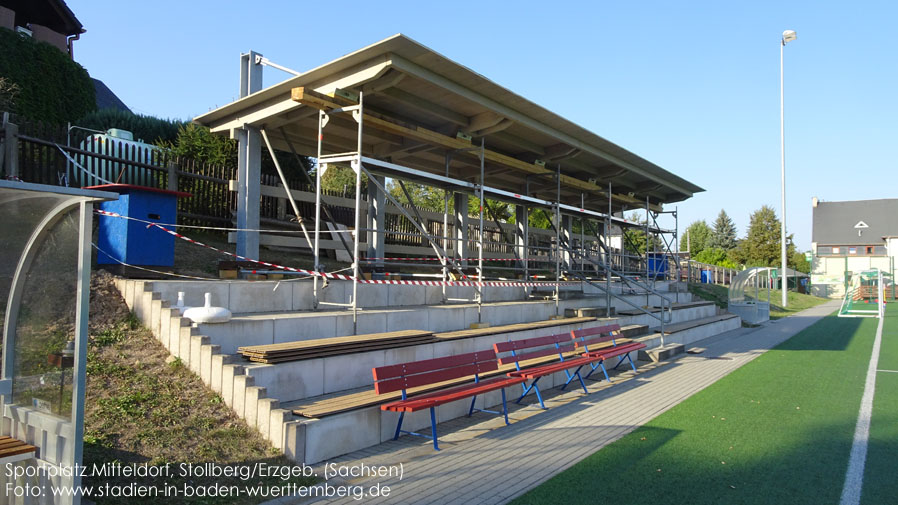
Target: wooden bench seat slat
(17, 450)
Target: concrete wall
(244, 297)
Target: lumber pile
(320, 348)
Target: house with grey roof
(850, 237)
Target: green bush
(51, 86)
(148, 128)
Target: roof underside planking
(419, 106)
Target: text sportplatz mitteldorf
(142, 470)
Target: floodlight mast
(788, 36)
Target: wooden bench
(598, 338)
(13, 450)
(401, 377)
(519, 351)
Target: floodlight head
(789, 36)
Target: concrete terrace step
(240, 296)
(277, 327)
(689, 331)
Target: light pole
(788, 36)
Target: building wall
(7, 18)
(44, 34)
(828, 272)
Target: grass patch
(777, 430)
(797, 301)
(141, 409)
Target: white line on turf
(890, 371)
(854, 476)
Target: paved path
(497, 463)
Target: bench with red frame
(600, 336)
(518, 351)
(404, 376)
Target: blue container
(706, 277)
(657, 265)
(134, 242)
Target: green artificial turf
(880, 484)
(777, 430)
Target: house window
(852, 250)
(869, 249)
(835, 250)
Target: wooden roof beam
(324, 102)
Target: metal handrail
(610, 271)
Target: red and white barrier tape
(341, 276)
(544, 260)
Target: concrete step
(243, 296)
(665, 353)
(688, 331)
(278, 327)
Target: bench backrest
(594, 336)
(402, 376)
(532, 348)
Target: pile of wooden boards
(320, 348)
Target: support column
(377, 212)
(521, 237)
(567, 239)
(460, 249)
(249, 164)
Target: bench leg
(534, 387)
(504, 407)
(399, 426)
(604, 371)
(471, 410)
(627, 357)
(570, 377)
(433, 428)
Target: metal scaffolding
(589, 260)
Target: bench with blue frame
(601, 336)
(521, 351)
(404, 376)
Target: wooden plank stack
(320, 348)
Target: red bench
(531, 348)
(600, 335)
(404, 376)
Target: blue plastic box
(136, 242)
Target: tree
(50, 86)
(761, 246)
(724, 233)
(162, 132)
(799, 262)
(635, 239)
(696, 238)
(424, 197)
(715, 256)
(198, 143)
(341, 179)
